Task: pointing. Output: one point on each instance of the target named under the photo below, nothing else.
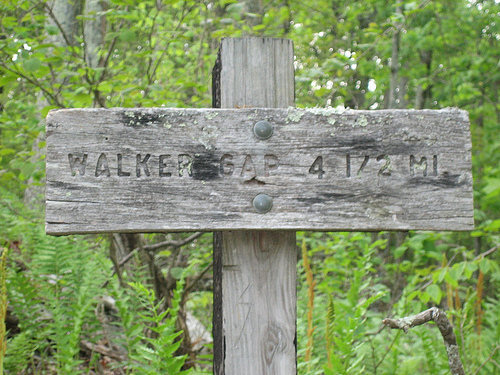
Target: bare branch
(487, 360)
(445, 327)
(486, 253)
(191, 283)
(101, 349)
(36, 83)
(61, 29)
(159, 245)
(130, 255)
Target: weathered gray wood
(326, 170)
(258, 303)
(254, 271)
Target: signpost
(202, 169)
(252, 171)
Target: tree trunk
(254, 11)
(60, 14)
(94, 30)
(394, 86)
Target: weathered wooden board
(199, 169)
(255, 271)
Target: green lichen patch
(361, 121)
(294, 115)
(211, 115)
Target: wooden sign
(156, 169)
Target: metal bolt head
(263, 129)
(263, 203)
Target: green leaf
(399, 252)
(470, 268)
(32, 65)
(434, 293)
(52, 30)
(424, 297)
(492, 185)
(45, 110)
(322, 91)
(127, 35)
(451, 278)
(494, 226)
(412, 295)
(177, 272)
(484, 265)
(7, 78)
(6, 151)
(165, 253)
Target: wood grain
(162, 169)
(254, 271)
(259, 302)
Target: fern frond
(330, 322)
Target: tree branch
(159, 245)
(445, 327)
(487, 359)
(192, 283)
(486, 253)
(34, 82)
(66, 38)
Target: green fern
(330, 322)
(155, 354)
(429, 349)
(152, 353)
(61, 288)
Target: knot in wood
(274, 342)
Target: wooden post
(254, 271)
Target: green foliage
(362, 278)
(60, 292)
(151, 350)
(346, 289)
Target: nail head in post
(263, 129)
(263, 203)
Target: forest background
(141, 304)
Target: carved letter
(248, 167)
(385, 170)
(102, 166)
(348, 165)
(421, 165)
(226, 167)
(271, 162)
(119, 157)
(142, 163)
(363, 165)
(317, 167)
(78, 162)
(435, 165)
(185, 163)
(162, 164)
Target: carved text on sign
(183, 164)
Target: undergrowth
(55, 290)
(357, 287)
